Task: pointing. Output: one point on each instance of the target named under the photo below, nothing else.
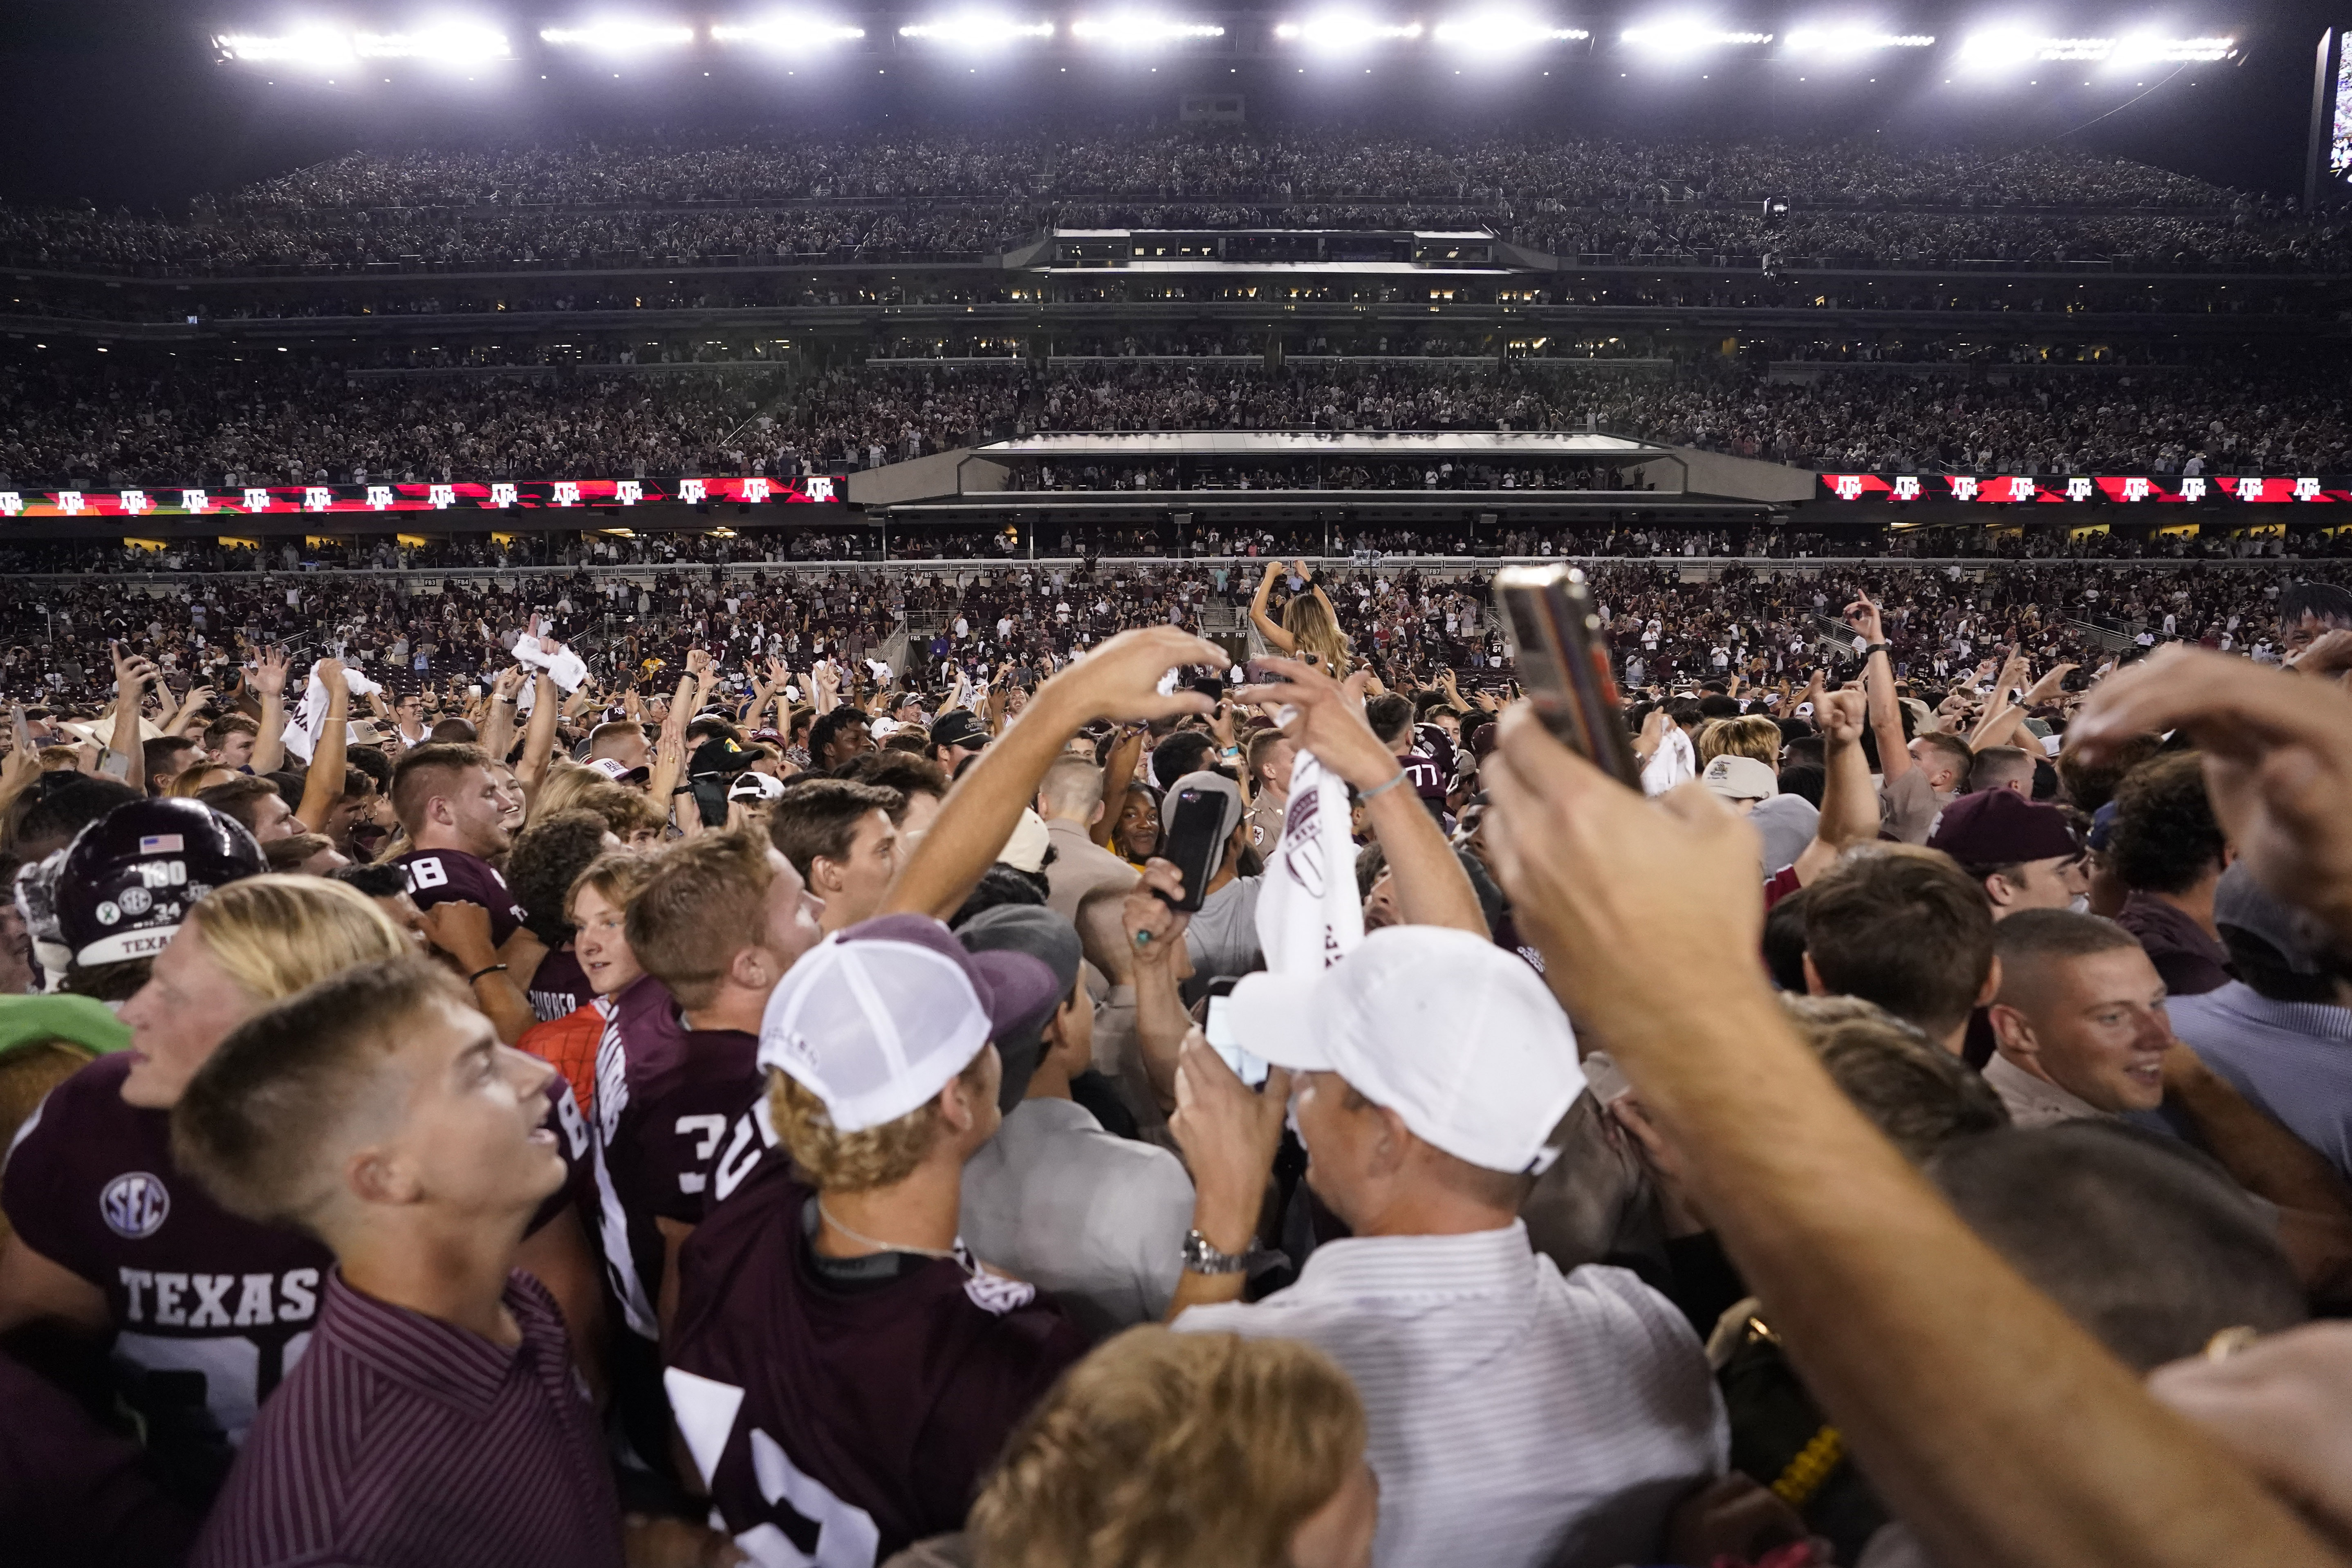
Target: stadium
(893, 287)
(1025, 783)
(898, 287)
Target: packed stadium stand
(1083, 342)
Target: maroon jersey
(559, 985)
(666, 1097)
(452, 876)
(1428, 781)
(845, 1407)
(210, 1310)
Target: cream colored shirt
(2036, 1102)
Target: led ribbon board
(2009, 490)
(501, 495)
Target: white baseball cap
(1457, 1036)
(1025, 851)
(753, 785)
(1736, 777)
(875, 1019)
(617, 771)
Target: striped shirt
(2292, 1059)
(1519, 1416)
(400, 1441)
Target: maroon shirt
(452, 876)
(405, 1442)
(666, 1097)
(852, 1408)
(210, 1310)
(559, 985)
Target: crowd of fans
(63, 423)
(342, 240)
(253, 422)
(595, 1048)
(655, 1084)
(899, 197)
(409, 629)
(1202, 163)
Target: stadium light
(1840, 41)
(454, 44)
(1129, 29)
(1494, 32)
(620, 36)
(2146, 48)
(1686, 36)
(1999, 49)
(785, 32)
(977, 30)
(2002, 49)
(1339, 31)
(305, 48)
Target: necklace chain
(952, 1255)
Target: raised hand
(1324, 717)
(2047, 687)
(1862, 615)
(132, 674)
(2278, 761)
(1120, 680)
(1154, 926)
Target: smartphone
(1564, 665)
(1222, 1038)
(1194, 841)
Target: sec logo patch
(134, 1205)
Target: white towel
(302, 731)
(567, 669)
(1308, 914)
(1674, 762)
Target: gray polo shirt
(1096, 1219)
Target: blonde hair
(836, 1161)
(1314, 630)
(276, 934)
(1749, 735)
(193, 780)
(564, 783)
(571, 787)
(1169, 1450)
(619, 875)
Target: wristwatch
(1870, 648)
(1202, 1256)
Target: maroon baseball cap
(2002, 828)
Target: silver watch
(1201, 1257)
